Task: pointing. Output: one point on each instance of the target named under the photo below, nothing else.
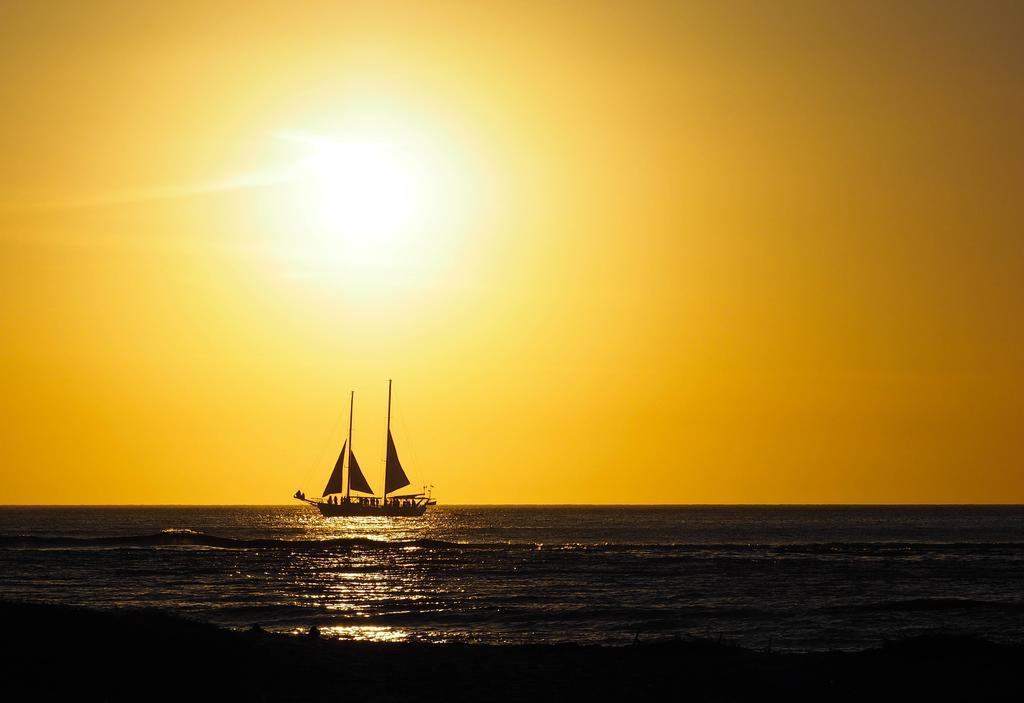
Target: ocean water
(803, 578)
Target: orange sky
(638, 252)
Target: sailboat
(337, 499)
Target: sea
(790, 578)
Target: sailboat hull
(355, 509)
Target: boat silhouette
(337, 499)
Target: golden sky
(707, 252)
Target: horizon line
(526, 505)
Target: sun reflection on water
(362, 633)
(355, 585)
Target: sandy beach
(60, 652)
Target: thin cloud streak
(128, 196)
(255, 179)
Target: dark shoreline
(61, 652)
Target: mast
(348, 459)
(387, 438)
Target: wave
(398, 614)
(192, 538)
(930, 605)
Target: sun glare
(367, 191)
(367, 204)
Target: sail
(356, 480)
(394, 474)
(336, 483)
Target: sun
(365, 202)
(365, 190)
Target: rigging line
(383, 461)
(407, 437)
(325, 446)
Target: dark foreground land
(52, 652)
